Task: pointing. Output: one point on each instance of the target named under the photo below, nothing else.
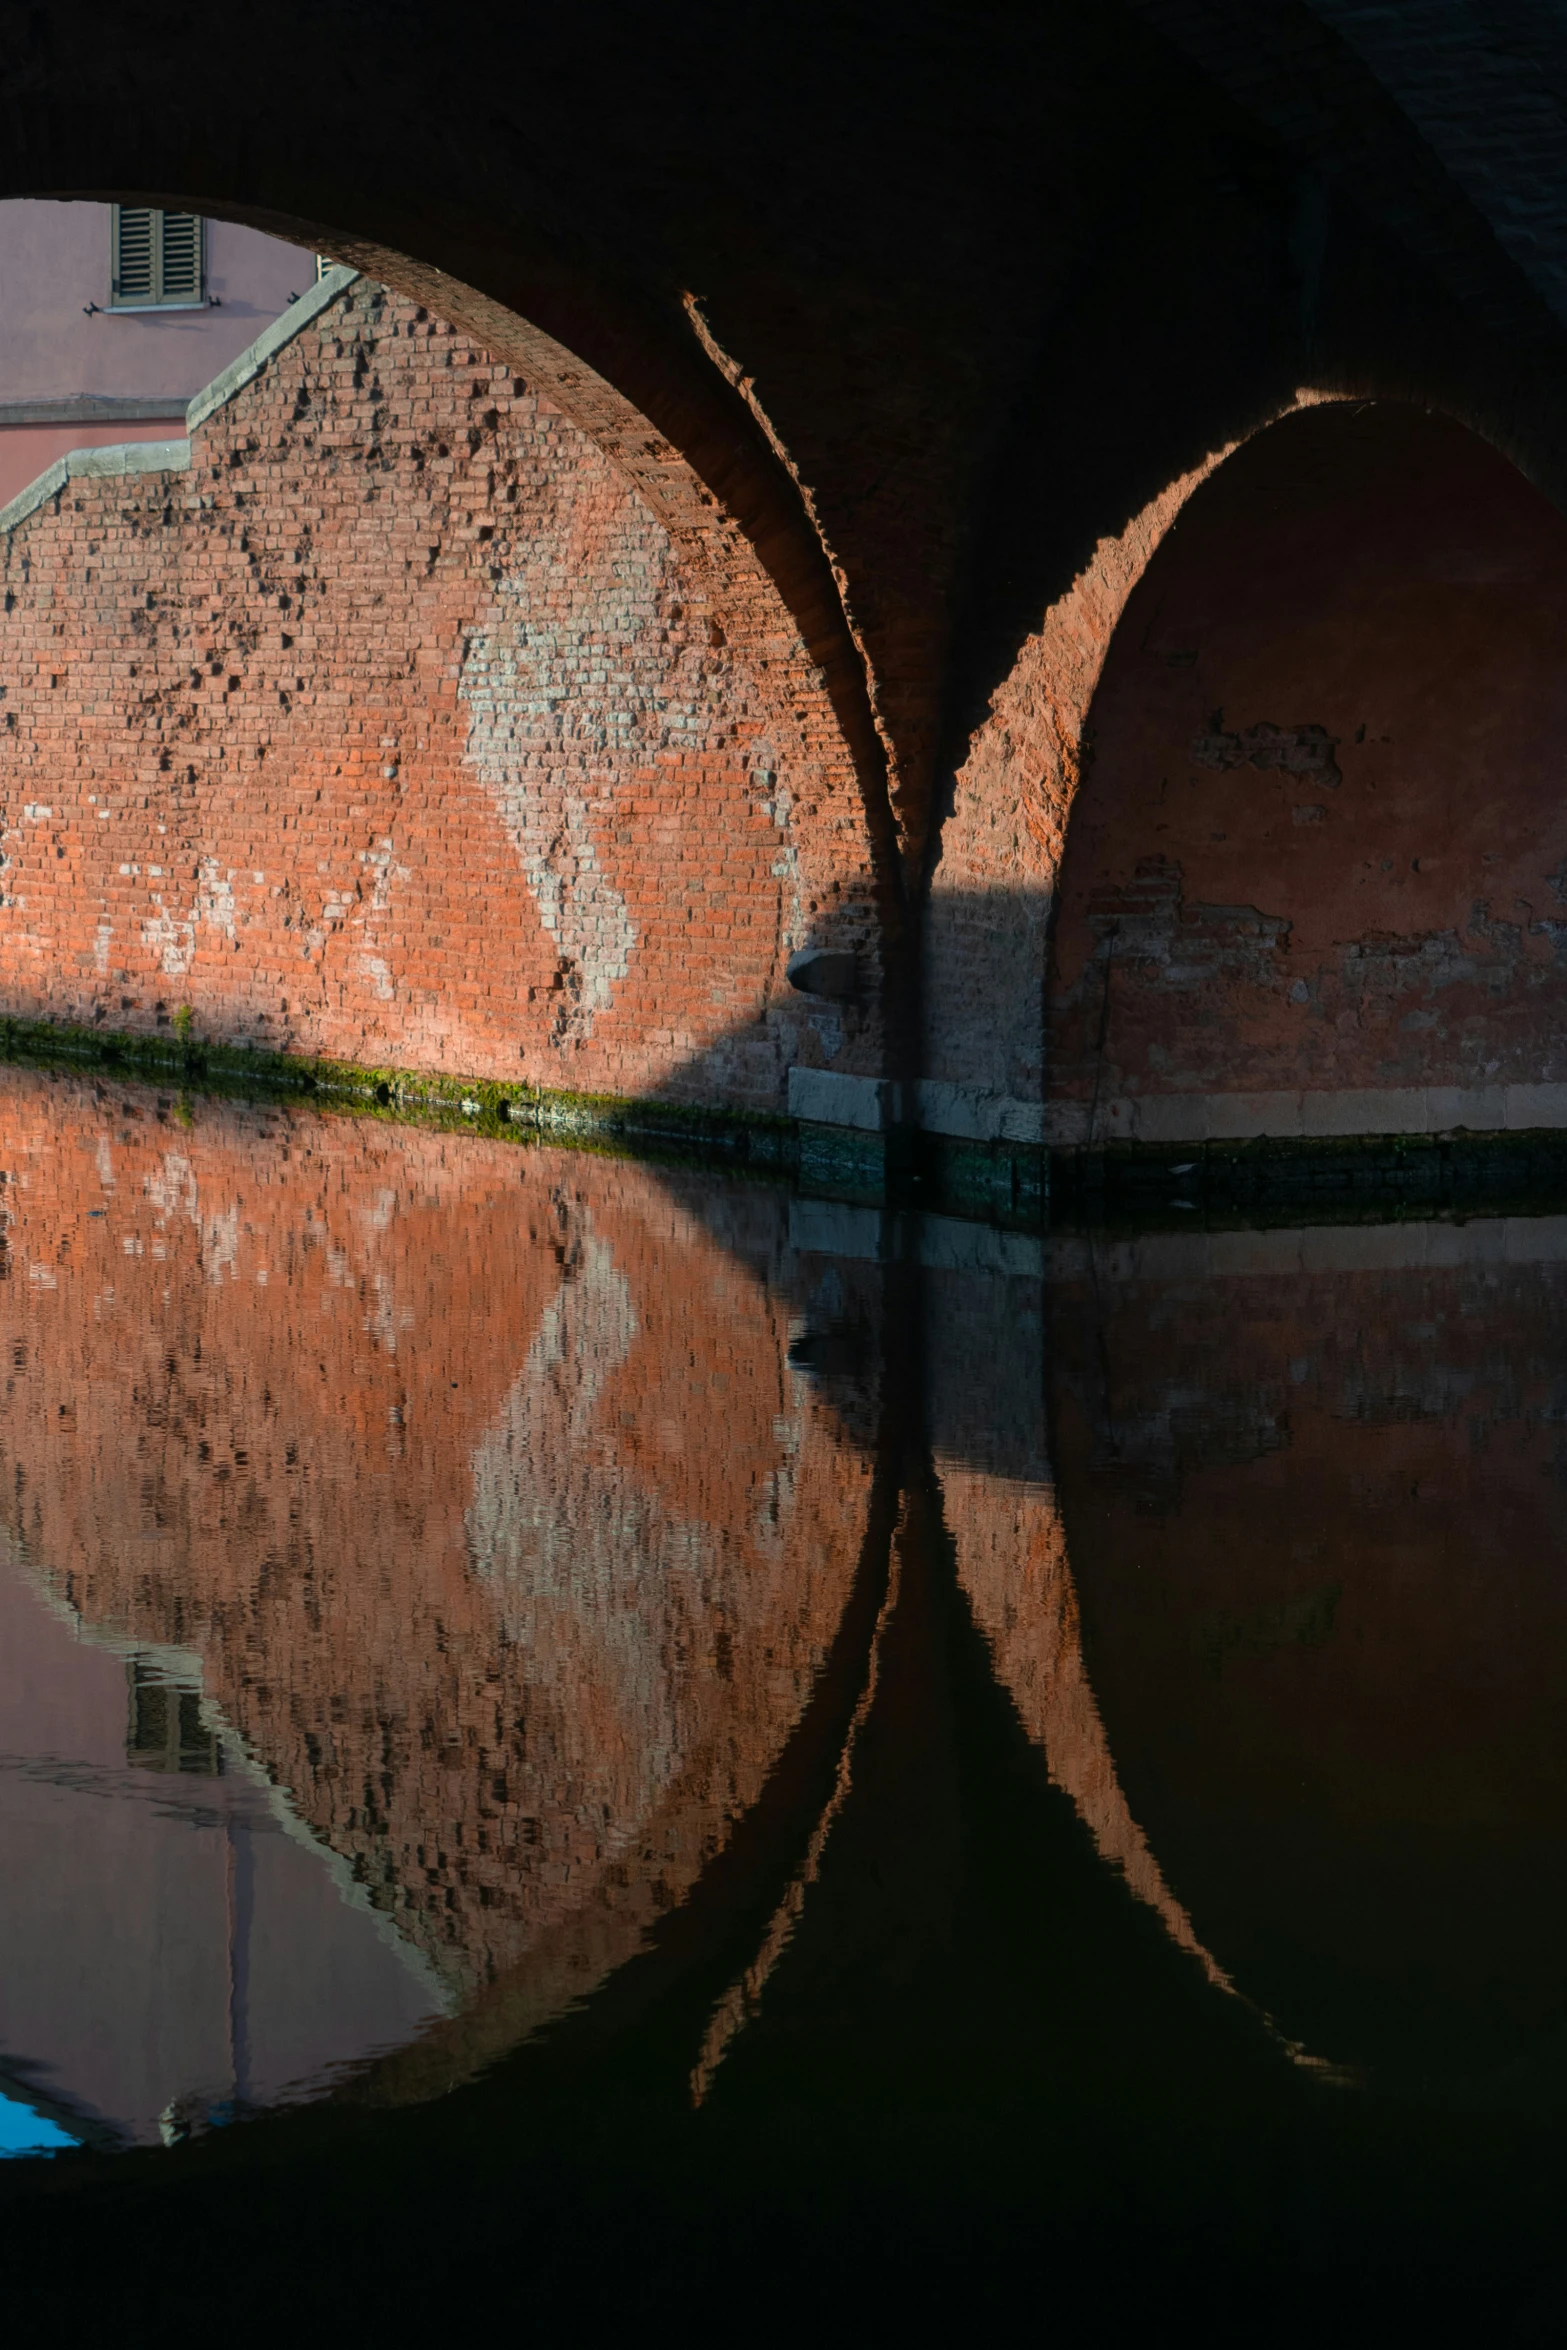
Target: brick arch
(1312, 884)
(693, 443)
(844, 301)
(686, 434)
(1000, 892)
(993, 888)
(397, 724)
(891, 246)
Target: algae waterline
(1262, 1181)
(602, 1122)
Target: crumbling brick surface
(399, 729)
(1319, 843)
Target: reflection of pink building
(174, 1944)
(111, 317)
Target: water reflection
(445, 1583)
(472, 1546)
(1312, 1487)
(172, 1951)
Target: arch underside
(1311, 884)
(833, 364)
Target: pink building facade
(79, 369)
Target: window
(157, 258)
(166, 1731)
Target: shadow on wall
(1292, 748)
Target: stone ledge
(967, 1113)
(866, 1105)
(122, 457)
(1310, 1114)
(970, 1114)
(118, 457)
(273, 339)
(94, 408)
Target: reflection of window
(157, 258)
(166, 1731)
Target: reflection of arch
(1010, 1546)
(1011, 1551)
(1308, 1480)
(528, 1724)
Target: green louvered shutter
(135, 255)
(179, 277)
(157, 257)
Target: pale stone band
(871, 1104)
(1307, 1115)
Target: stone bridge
(873, 432)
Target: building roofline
(268, 343)
(173, 456)
(94, 465)
(95, 408)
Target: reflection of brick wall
(477, 1479)
(1311, 1487)
(398, 729)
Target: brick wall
(398, 729)
(993, 889)
(1261, 833)
(1315, 864)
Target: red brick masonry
(396, 728)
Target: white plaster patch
(378, 863)
(588, 1576)
(171, 937)
(512, 686)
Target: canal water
(1069, 1728)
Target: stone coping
(173, 456)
